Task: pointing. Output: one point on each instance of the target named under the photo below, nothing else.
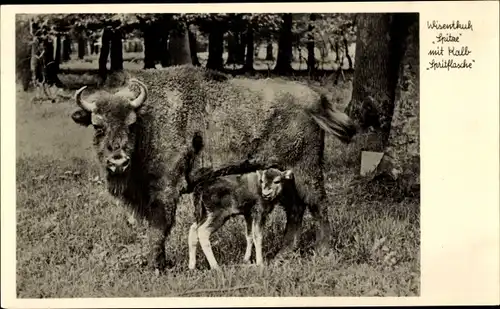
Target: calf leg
(212, 223)
(249, 237)
(257, 232)
(193, 243)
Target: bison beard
(192, 119)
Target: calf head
(272, 182)
(113, 118)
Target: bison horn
(142, 96)
(87, 106)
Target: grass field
(73, 240)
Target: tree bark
(51, 68)
(269, 51)
(311, 60)
(241, 47)
(373, 86)
(248, 67)
(57, 56)
(151, 40)
(193, 47)
(116, 51)
(215, 49)
(81, 47)
(232, 49)
(346, 47)
(104, 54)
(284, 61)
(165, 58)
(66, 49)
(179, 48)
(401, 160)
(23, 52)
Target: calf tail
(206, 174)
(333, 121)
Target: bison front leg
(162, 218)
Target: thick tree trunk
(311, 60)
(179, 48)
(66, 49)
(269, 51)
(151, 42)
(248, 67)
(81, 47)
(215, 49)
(103, 56)
(232, 49)
(193, 47)
(401, 159)
(374, 81)
(284, 61)
(165, 58)
(116, 53)
(241, 47)
(51, 68)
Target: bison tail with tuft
(333, 121)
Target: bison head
(113, 118)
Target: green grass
(73, 239)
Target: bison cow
(145, 144)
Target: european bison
(143, 144)
(253, 195)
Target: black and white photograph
(217, 154)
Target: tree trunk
(151, 39)
(103, 56)
(269, 51)
(232, 49)
(284, 61)
(346, 47)
(337, 52)
(311, 61)
(57, 56)
(51, 68)
(179, 48)
(193, 47)
(116, 51)
(248, 67)
(23, 52)
(215, 49)
(81, 47)
(401, 160)
(66, 49)
(164, 54)
(241, 47)
(374, 80)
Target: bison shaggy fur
(147, 147)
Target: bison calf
(252, 195)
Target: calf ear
(81, 117)
(288, 174)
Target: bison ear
(288, 174)
(81, 117)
